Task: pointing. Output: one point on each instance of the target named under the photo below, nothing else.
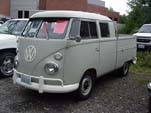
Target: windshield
(14, 27)
(46, 28)
(20, 25)
(145, 29)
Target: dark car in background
(4, 18)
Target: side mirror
(77, 38)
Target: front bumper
(41, 86)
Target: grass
(141, 81)
(143, 65)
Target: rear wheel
(124, 70)
(7, 64)
(86, 86)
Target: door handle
(97, 49)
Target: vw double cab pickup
(65, 51)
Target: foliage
(123, 19)
(111, 9)
(143, 65)
(139, 15)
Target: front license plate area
(26, 79)
(141, 46)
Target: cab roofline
(70, 14)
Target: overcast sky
(118, 5)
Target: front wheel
(7, 64)
(86, 86)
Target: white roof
(70, 14)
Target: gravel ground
(111, 95)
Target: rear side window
(88, 30)
(93, 30)
(84, 30)
(104, 27)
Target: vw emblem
(30, 53)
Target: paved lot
(111, 95)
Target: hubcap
(86, 85)
(7, 66)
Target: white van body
(71, 57)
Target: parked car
(144, 37)
(4, 18)
(66, 51)
(13, 26)
(149, 89)
(8, 36)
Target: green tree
(139, 14)
(123, 19)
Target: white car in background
(9, 32)
(144, 37)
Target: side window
(84, 30)
(43, 31)
(93, 30)
(87, 29)
(75, 28)
(104, 27)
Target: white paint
(7, 41)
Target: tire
(124, 70)
(7, 64)
(86, 87)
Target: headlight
(51, 68)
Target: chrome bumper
(41, 87)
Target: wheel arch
(12, 50)
(92, 72)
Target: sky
(117, 5)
